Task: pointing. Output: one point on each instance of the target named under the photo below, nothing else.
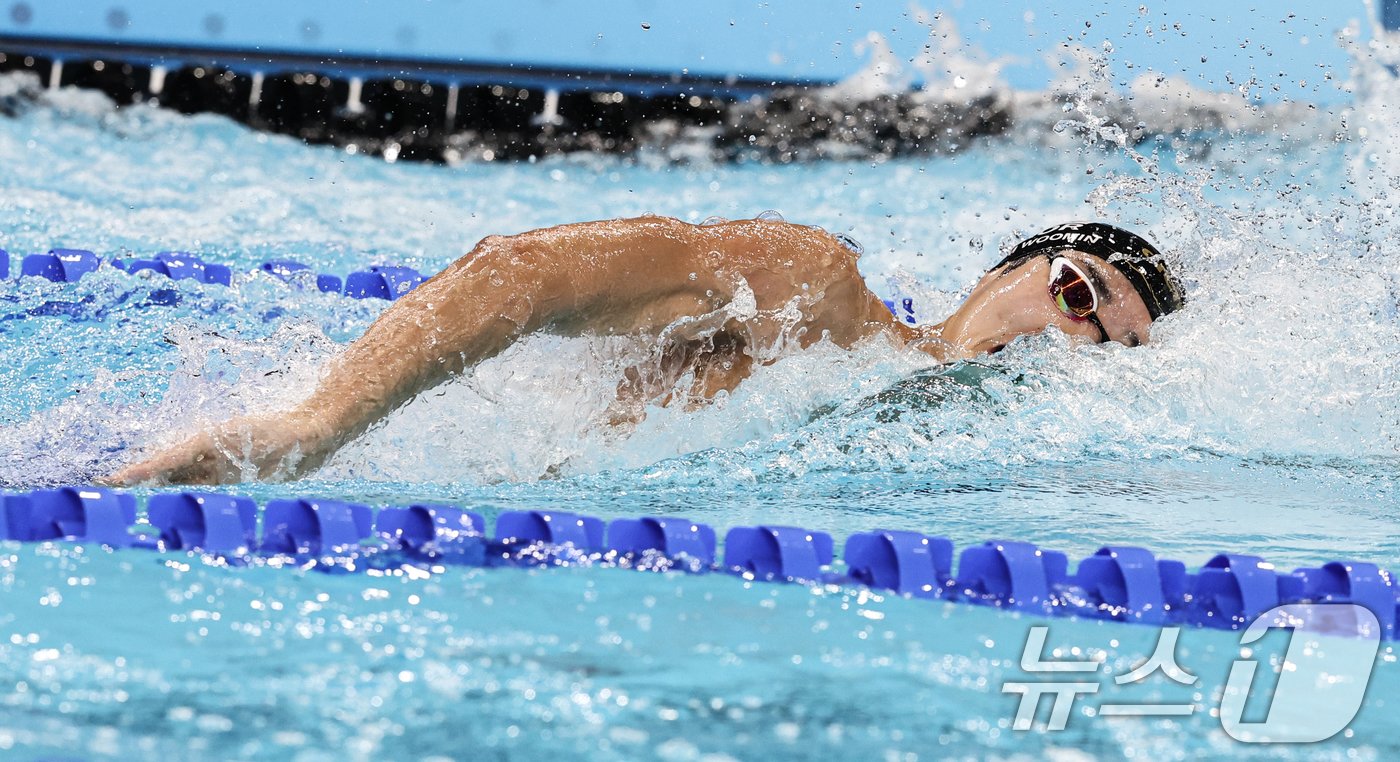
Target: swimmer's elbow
(490, 245)
(490, 253)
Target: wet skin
(715, 300)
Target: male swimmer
(714, 298)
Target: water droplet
(771, 215)
(714, 220)
(850, 243)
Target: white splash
(882, 75)
(951, 70)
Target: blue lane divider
(314, 527)
(667, 537)
(70, 265)
(14, 517)
(1010, 574)
(287, 270)
(516, 528)
(1130, 584)
(908, 563)
(216, 523)
(773, 552)
(442, 533)
(1232, 589)
(903, 309)
(382, 282)
(1348, 582)
(70, 513)
(1120, 583)
(60, 265)
(179, 265)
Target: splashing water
(951, 71)
(1252, 370)
(1263, 417)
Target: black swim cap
(1129, 253)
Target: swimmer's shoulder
(761, 241)
(778, 236)
(771, 228)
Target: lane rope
(70, 265)
(1117, 583)
(1120, 583)
(375, 282)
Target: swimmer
(714, 299)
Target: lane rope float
(1117, 583)
(70, 265)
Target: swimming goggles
(1074, 294)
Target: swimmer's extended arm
(611, 277)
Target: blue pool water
(1263, 418)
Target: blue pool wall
(1288, 51)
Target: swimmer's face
(1017, 300)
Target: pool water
(1264, 419)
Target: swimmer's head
(1086, 278)
(1127, 252)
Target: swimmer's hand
(243, 449)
